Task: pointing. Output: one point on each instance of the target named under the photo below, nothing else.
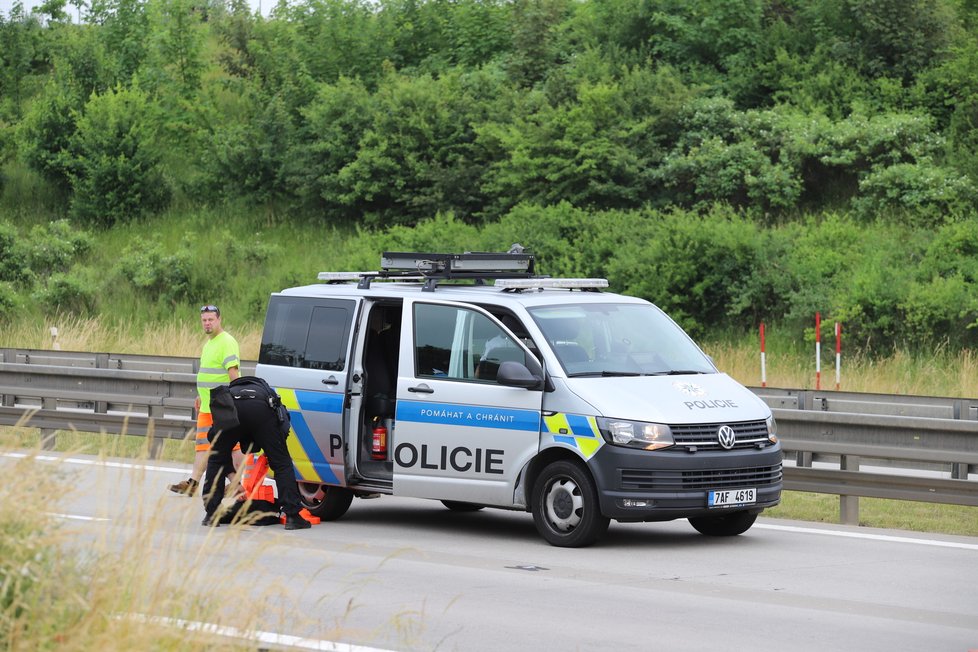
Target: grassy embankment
(942, 373)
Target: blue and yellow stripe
(311, 464)
(573, 430)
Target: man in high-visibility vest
(219, 364)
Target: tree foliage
(731, 161)
(114, 169)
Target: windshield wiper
(606, 373)
(678, 372)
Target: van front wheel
(728, 525)
(565, 506)
(323, 501)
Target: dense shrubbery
(40, 263)
(733, 162)
(390, 113)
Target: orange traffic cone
(254, 470)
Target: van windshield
(618, 339)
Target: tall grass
(937, 373)
(78, 587)
(934, 373)
(181, 337)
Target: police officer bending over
(249, 412)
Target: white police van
(469, 379)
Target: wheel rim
(311, 495)
(564, 504)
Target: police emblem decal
(689, 388)
(727, 437)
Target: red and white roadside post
(838, 354)
(763, 366)
(818, 350)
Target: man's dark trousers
(258, 428)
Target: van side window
(307, 333)
(459, 344)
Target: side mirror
(514, 374)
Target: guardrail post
(803, 458)
(156, 443)
(101, 362)
(960, 470)
(849, 505)
(49, 438)
(9, 355)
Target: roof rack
(514, 266)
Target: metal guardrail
(920, 448)
(100, 392)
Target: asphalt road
(406, 574)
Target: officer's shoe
(296, 522)
(211, 520)
(186, 487)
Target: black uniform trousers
(258, 428)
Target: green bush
(941, 309)
(116, 174)
(156, 271)
(870, 285)
(248, 158)
(815, 260)
(568, 241)
(14, 256)
(64, 293)
(9, 301)
(689, 264)
(919, 192)
(45, 133)
(54, 246)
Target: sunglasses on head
(210, 308)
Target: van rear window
(307, 333)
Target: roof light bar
(469, 262)
(548, 283)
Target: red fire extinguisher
(378, 448)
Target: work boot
(211, 520)
(186, 487)
(296, 522)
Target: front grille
(703, 436)
(648, 480)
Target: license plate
(731, 497)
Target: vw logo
(727, 437)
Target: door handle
(421, 389)
(331, 381)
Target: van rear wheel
(323, 501)
(728, 525)
(565, 506)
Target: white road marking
(77, 517)
(868, 536)
(269, 638)
(96, 462)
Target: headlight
(772, 429)
(636, 434)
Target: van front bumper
(639, 485)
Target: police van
(470, 379)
